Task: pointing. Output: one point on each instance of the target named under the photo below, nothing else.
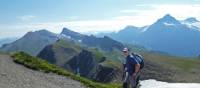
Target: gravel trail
(13, 75)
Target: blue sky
(88, 16)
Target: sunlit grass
(42, 65)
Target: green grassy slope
(42, 65)
(171, 68)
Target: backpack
(140, 59)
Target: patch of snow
(80, 41)
(169, 24)
(151, 83)
(145, 28)
(188, 25)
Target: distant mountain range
(34, 42)
(104, 43)
(6, 40)
(31, 43)
(167, 34)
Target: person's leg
(137, 79)
(126, 80)
(132, 82)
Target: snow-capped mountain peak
(191, 20)
(168, 19)
(192, 23)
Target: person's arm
(137, 68)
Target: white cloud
(73, 18)
(96, 25)
(129, 11)
(87, 26)
(27, 17)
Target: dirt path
(13, 75)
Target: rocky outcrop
(104, 74)
(59, 53)
(84, 64)
(87, 65)
(48, 54)
(69, 56)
